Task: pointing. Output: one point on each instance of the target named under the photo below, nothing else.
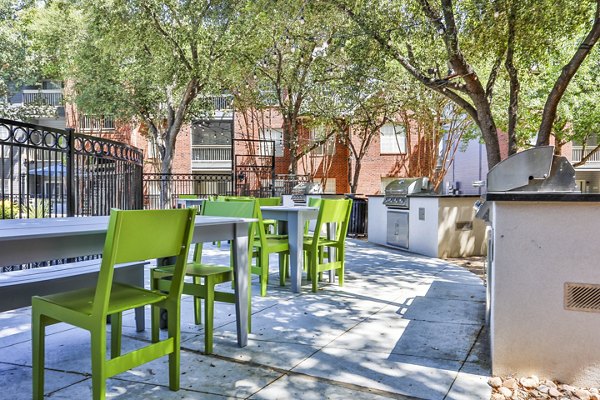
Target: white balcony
(211, 158)
(50, 97)
(577, 154)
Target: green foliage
(547, 33)
(9, 210)
(38, 208)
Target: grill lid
(304, 188)
(535, 170)
(406, 186)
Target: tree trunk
(515, 87)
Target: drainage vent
(582, 297)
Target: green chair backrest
(237, 198)
(269, 201)
(334, 211)
(187, 196)
(236, 209)
(137, 235)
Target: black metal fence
(180, 185)
(254, 167)
(47, 172)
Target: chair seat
(274, 245)
(277, 236)
(323, 242)
(198, 269)
(122, 297)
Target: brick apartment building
(206, 147)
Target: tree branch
(166, 35)
(567, 73)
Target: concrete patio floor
(403, 326)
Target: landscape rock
(543, 389)
(530, 382)
(511, 383)
(554, 392)
(582, 394)
(495, 381)
(506, 392)
(532, 387)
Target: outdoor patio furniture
(205, 275)
(264, 246)
(330, 212)
(132, 236)
(295, 218)
(270, 224)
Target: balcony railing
(577, 154)
(51, 97)
(211, 153)
(89, 123)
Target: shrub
(9, 210)
(37, 209)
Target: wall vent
(582, 297)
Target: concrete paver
(403, 326)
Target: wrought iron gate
(254, 167)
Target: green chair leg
(155, 323)
(116, 326)
(38, 329)
(174, 321)
(209, 312)
(264, 276)
(99, 374)
(197, 304)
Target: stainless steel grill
(398, 203)
(396, 192)
(533, 170)
(301, 191)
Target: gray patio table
(295, 217)
(33, 240)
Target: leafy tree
(458, 48)
(282, 64)
(150, 62)
(18, 61)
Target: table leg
(241, 275)
(295, 234)
(332, 256)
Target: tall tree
(150, 61)
(282, 60)
(19, 62)
(439, 44)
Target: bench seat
(17, 287)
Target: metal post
(273, 169)
(70, 172)
(233, 160)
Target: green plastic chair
(330, 212)
(265, 245)
(206, 276)
(132, 236)
(270, 224)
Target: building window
(330, 186)
(319, 133)
(152, 149)
(275, 135)
(211, 133)
(393, 139)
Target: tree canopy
(472, 51)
